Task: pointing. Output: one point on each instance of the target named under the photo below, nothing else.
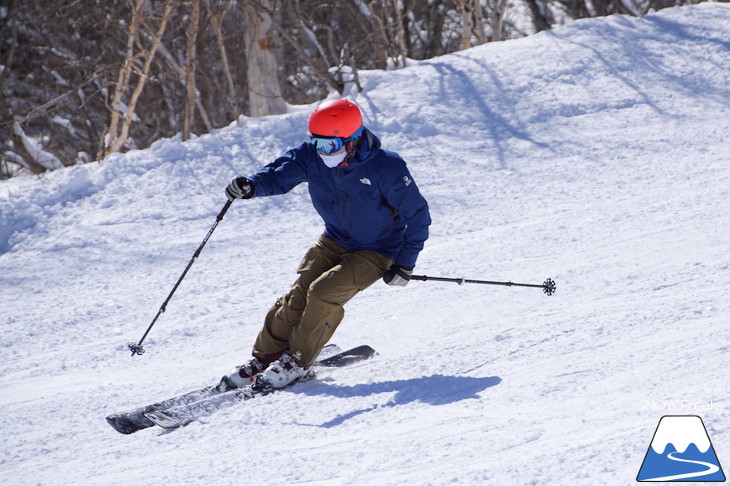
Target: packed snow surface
(596, 154)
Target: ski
(135, 420)
(178, 416)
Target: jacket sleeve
(282, 175)
(403, 195)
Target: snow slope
(596, 154)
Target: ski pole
(548, 286)
(138, 348)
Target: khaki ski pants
(303, 321)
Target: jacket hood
(368, 148)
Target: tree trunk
(466, 8)
(479, 23)
(500, 9)
(399, 19)
(190, 60)
(264, 94)
(542, 18)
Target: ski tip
(348, 357)
(124, 425)
(364, 350)
(369, 349)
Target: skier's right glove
(398, 275)
(239, 188)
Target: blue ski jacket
(368, 203)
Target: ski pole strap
(548, 286)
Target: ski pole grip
(223, 211)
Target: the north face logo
(365, 180)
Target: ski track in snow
(595, 154)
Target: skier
(376, 222)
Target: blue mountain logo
(681, 451)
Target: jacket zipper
(343, 200)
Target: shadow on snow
(432, 390)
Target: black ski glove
(398, 275)
(239, 188)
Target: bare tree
(542, 16)
(479, 32)
(20, 155)
(313, 59)
(399, 18)
(264, 94)
(500, 10)
(190, 61)
(51, 84)
(122, 114)
(376, 24)
(466, 9)
(216, 22)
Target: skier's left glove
(398, 275)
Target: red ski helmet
(335, 118)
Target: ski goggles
(328, 145)
(332, 145)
